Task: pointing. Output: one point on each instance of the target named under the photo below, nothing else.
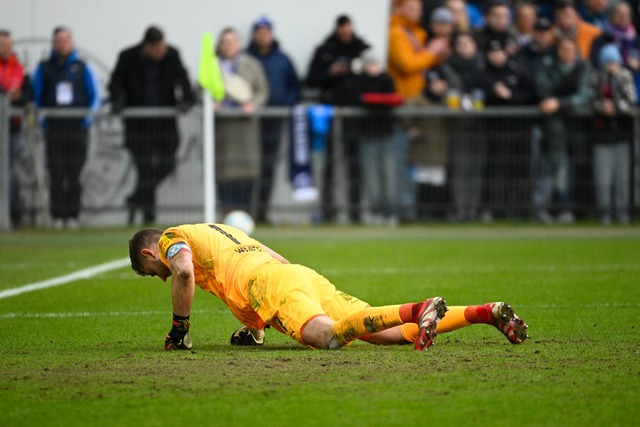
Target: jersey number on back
(224, 233)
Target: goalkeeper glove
(178, 337)
(246, 336)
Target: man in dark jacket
(498, 27)
(65, 81)
(284, 90)
(332, 72)
(331, 67)
(562, 86)
(541, 45)
(507, 160)
(147, 75)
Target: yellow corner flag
(209, 75)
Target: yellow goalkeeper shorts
(288, 296)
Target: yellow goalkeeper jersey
(224, 259)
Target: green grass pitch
(90, 352)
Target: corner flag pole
(210, 78)
(209, 158)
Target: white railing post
(5, 164)
(208, 158)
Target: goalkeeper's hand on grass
(246, 336)
(178, 337)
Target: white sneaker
(57, 224)
(73, 224)
(543, 217)
(392, 221)
(566, 217)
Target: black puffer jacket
(336, 90)
(471, 72)
(516, 78)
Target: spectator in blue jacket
(284, 90)
(65, 81)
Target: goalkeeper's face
(153, 266)
(158, 269)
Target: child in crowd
(614, 93)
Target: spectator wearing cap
(498, 27)
(284, 84)
(569, 25)
(611, 129)
(620, 31)
(472, 11)
(539, 51)
(541, 45)
(284, 90)
(563, 86)
(331, 69)
(442, 23)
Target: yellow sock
(454, 319)
(365, 322)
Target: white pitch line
(62, 315)
(63, 280)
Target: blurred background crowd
(479, 111)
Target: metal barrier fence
(432, 164)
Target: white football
(240, 220)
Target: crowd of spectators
(559, 55)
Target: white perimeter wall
(102, 28)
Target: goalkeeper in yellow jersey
(262, 288)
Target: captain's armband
(176, 248)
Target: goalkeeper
(262, 289)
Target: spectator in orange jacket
(569, 25)
(410, 54)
